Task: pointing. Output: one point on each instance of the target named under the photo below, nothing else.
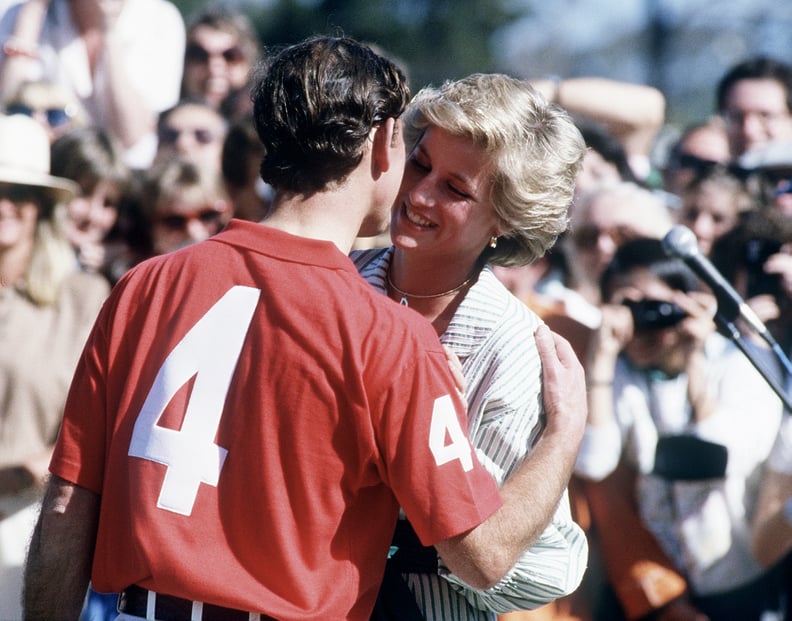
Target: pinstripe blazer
(492, 334)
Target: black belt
(134, 601)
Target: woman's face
(443, 206)
(90, 217)
(18, 215)
(185, 221)
(709, 211)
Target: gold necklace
(404, 295)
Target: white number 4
(445, 426)
(208, 352)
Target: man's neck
(332, 215)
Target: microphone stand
(728, 328)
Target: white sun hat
(25, 158)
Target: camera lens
(654, 314)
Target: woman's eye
(458, 192)
(421, 166)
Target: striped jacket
(492, 334)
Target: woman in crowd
(91, 158)
(711, 205)
(489, 179)
(185, 203)
(47, 308)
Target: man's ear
(383, 146)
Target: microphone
(680, 242)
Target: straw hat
(25, 158)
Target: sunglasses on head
(55, 116)
(195, 53)
(178, 221)
(170, 135)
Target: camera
(654, 314)
(758, 282)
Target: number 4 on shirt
(447, 441)
(208, 352)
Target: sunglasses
(170, 135)
(178, 221)
(55, 116)
(19, 194)
(198, 54)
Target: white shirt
(702, 525)
(152, 36)
(492, 334)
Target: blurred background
(679, 46)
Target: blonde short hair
(536, 152)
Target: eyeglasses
(170, 135)
(198, 54)
(55, 116)
(178, 221)
(699, 164)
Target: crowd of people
(274, 334)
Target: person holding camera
(694, 422)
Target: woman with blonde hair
(488, 181)
(47, 307)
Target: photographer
(688, 413)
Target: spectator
(185, 204)
(669, 395)
(754, 97)
(48, 103)
(222, 49)
(711, 205)
(701, 148)
(756, 257)
(604, 219)
(47, 308)
(122, 60)
(194, 131)
(92, 159)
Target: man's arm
(61, 551)
(483, 555)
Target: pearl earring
(493, 241)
